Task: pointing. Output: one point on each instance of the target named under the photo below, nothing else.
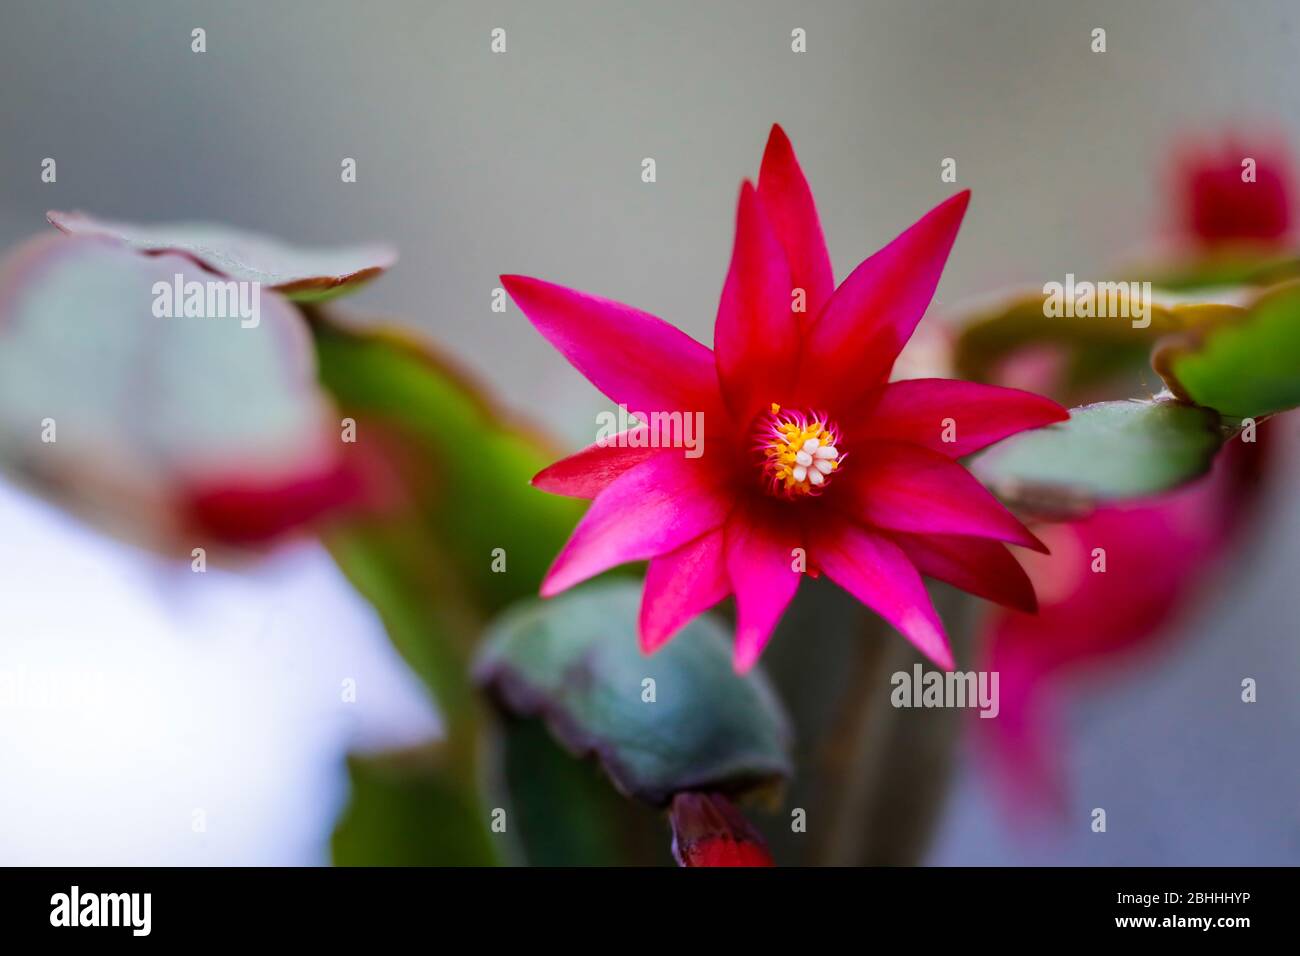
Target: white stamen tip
(816, 477)
(811, 445)
(804, 458)
(800, 473)
(826, 451)
(823, 466)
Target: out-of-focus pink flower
(1235, 193)
(811, 459)
(1114, 582)
(247, 513)
(709, 831)
(1157, 552)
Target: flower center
(797, 451)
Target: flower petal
(909, 488)
(852, 345)
(789, 204)
(650, 510)
(636, 359)
(979, 566)
(756, 336)
(590, 471)
(680, 585)
(877, 572)
(759, 551)
(916, 411)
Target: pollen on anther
(797, 451)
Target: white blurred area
(154, 715)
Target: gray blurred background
(476, 164)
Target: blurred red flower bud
(709, 831)
(1236, 193)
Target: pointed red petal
(877, 572)
(789, 204)
(590, 471)
(680, 585)
(636, 359)
(928, 411)
(756, 336)
(981, 567)
(650, 510)
(909, 488)
(761, 563)
(852, 346)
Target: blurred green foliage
(1246, 368)
(1105, 452)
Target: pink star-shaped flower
(813, 461)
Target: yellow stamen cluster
(798, 452)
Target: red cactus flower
(813, 461)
